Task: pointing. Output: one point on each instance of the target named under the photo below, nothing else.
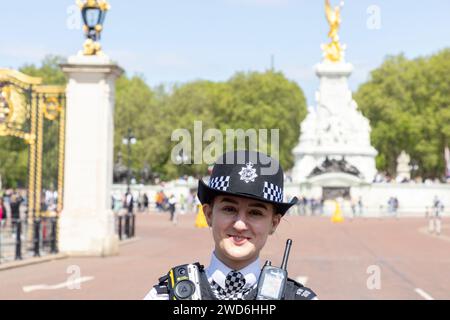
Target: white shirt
(218, 271)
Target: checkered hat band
(272, 192)
(220, 183)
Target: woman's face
(240, 228)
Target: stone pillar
(87, 221)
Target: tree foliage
(408, 105)
(249, 100)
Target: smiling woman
(240, 228)
(243, 205)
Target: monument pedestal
(334, 130)
(87, 222)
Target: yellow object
(200, 220)
(337, 214)
(333, 51)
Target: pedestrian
(139, 202)
(129, 202)
(172, 203)
(117, 205)
(391, 206)
(182, 204)
(396, 205)
(2, 213)
(435, 223)
(353, 207)
(243, 205)
(15, 202)
(360, 206)
(145, 200)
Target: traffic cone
(200, 220)
(337, 214)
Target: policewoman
(243, 205)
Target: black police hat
(247, 174)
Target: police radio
(272, 281)
(184, 282)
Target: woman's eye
(256, 213)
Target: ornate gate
(25, 107)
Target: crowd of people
(140, 202)
(383, 177)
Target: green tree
(250, 100)
(137, 108)
(407, 103)
(49, 70)
(267, 101)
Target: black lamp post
(128, 140)
(93, 13)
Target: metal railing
(20, 239)
(125, 225)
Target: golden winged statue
(333, 51)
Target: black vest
(293, 291)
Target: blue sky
(177, 41)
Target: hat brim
(206, 194)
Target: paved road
(336, 260)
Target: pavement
(357, 259)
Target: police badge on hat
(241, 173)
(248, 173)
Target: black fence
(21, 238)
(125, 225)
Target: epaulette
(161, 287)
(296, 291)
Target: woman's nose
(240, 223)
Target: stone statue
(334, 165)
(403, 168)
(334, 20)
(333, 51)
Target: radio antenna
(286, 254)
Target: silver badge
(248, 173)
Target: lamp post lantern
(93, 13)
